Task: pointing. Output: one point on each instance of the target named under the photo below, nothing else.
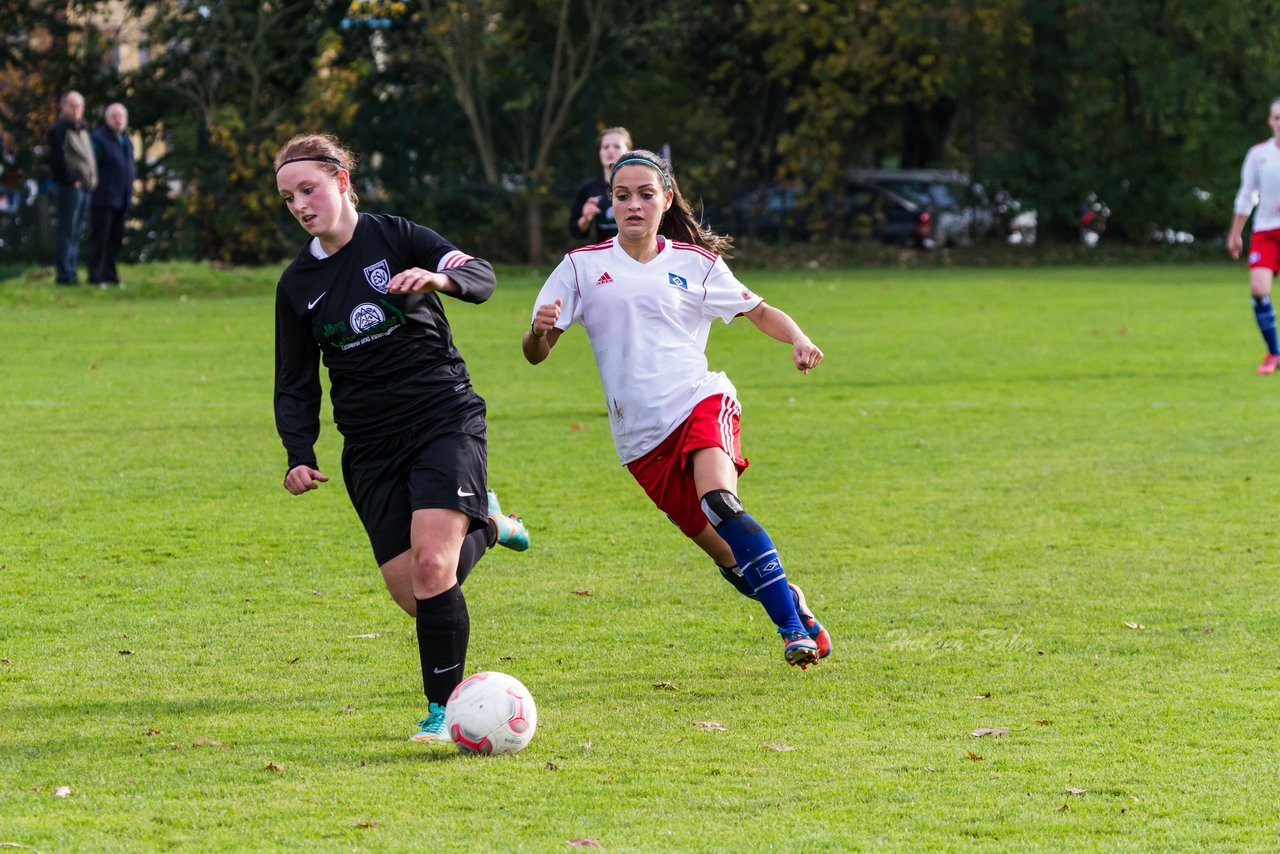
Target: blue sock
(1265, 312)
(756, 555)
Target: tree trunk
(533, 223)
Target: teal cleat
(510, 528)
(432, 729)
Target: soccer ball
(491, 713)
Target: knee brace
(720, 506)
(750, 544)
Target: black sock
(444, 627)
(474, 545)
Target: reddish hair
(316, 145)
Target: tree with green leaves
(229, 82)
(483, 113)
(1140, 103)
(815, 89)
(516, 71)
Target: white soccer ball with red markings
(491, 713)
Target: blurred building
(124, 32)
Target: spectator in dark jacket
(591, 214)
(113, 196)
(75, 173)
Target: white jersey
(648, 325)
(1260, 186)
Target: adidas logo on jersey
(604, 279)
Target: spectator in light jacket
(75, 174)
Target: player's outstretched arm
(416, 280)
(542, 334)
(778, 324)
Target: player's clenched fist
(806, 355)
(300, 479)
(544, 319)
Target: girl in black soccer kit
(363, 296)
(592, 207)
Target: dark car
(962, 211)
(770, 212)
(778, 211)
(875, 213)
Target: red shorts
(665, 472)
(1264, 249)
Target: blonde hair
(328, 153)
(678, 222)
(623, 132)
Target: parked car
(868, 212)
(770, 212)
(962, 211)
(872, 212)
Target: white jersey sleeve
(562, 285)
(1247, 196)
(726, 296)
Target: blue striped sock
(762, 569)
(1265, 313)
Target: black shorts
(418, 468)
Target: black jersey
(391, 357)
(604, 223)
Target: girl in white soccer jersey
(363, 296)
(647, 298)
(1260, 187)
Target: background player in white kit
(1260, 187)
(647, 300)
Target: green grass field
(1036, 500)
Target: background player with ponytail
(647, 298)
